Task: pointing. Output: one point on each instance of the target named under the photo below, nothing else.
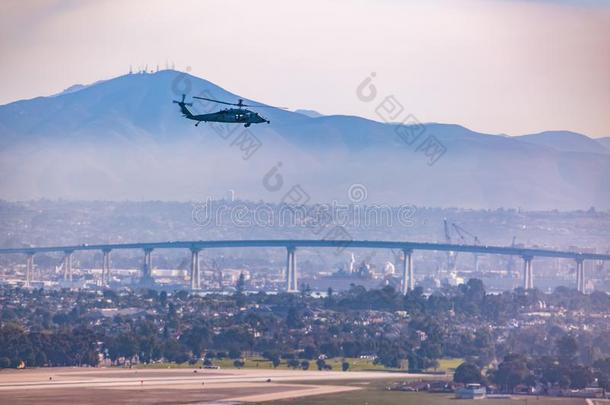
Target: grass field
(356, 364)
(449, 364)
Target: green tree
(511, 372)
(329, 300)
(293, 318)
(240, 286)
(234, 354)
(468, 373)
(580, 377)
(309, 352)
(567, 349)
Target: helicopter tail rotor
(182, 103)
(185, 111)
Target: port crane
(462, 234)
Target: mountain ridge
(123, 137)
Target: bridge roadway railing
(207, 244)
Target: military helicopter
(239, 115)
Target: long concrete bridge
(291, 246)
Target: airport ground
(201, 386)
(173, 386)
(375, 393)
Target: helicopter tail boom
(185, 111)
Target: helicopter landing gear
(247, 125)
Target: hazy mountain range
(124, 139)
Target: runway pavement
(168, 386)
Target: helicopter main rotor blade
(239, 104)
(214, 101)
(263, 106)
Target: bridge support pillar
(195, 277)
(291, 270)
(67, 266)
(580, 276)
(28, 269)
(528, 273)
(105, 267)
(147, 266)
(408, 278)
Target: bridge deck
(336, 243)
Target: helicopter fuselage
(231, 115)
(238, 115)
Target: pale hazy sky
(498, 66)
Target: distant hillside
(309, 113)
(566, 141)
(124, 139)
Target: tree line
(411, 331)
